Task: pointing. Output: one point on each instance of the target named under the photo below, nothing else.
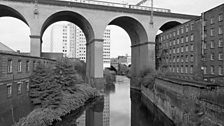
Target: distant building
(193, 50)
(70, 40)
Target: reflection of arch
(169, 25)
(73, 17)
(133, 27)
(8, 11)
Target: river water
(120, 106)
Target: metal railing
(104, 3)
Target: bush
(147, 77)
(46, 116)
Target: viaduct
(93, 17)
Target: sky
(15, 34)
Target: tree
(44, 91)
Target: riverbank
(184, 104)
(70, 102)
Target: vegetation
(56, 91)
(46, 116)
(110, 76)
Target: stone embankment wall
(187, 104)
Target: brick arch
(72, 17)
(8, 11)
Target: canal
(120, 106)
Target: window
(177, 69)
(220, 56)
(220, 42)
(212, 56)
(34, 65)
(182, 40)
(182, 30)
(212, 32)
(220, 30)
(9, 66)
(178, 32)
(205, 45)
(220, 70)
(178, 59)
(178, 50)
(186, 69)
(192, 47)
(192, 37)
(204, 70)
(182, 59)
(174, 34)
(186, 48)
(27, 66)
(186, 39)
(182, 49)
(191, 69)
(178, 41)
(186, 28)
(211, 21)
(174, 50)
(9, 90)
(192, 25)
(19, 66)
(186, 60)
(212, 44)
(192, 58)
(220, 17)
(212, 70)
(182, 69)
(27, 86)
(174, 42)
(19, 87)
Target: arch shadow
(169, 25)
(72, 17)
(8, 11)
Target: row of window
(181, 49)
(181, 59)
(212, 44)
(182, 69)
(177, 32)
(19, 63)
(213, 70)
(19, 66)
(19, 87)
(220, 18)
(212, 30)
(181, 39)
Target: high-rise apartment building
(70, 40)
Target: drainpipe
(151, 17)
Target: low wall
(182, 102)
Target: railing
(103, 3)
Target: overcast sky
(15, 34)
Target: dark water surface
(121, 106)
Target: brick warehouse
(15, 70)
(193, 50)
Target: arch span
(169, 25)
(8, 11)
(72, 17)
(133, 27)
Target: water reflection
(121, 106)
